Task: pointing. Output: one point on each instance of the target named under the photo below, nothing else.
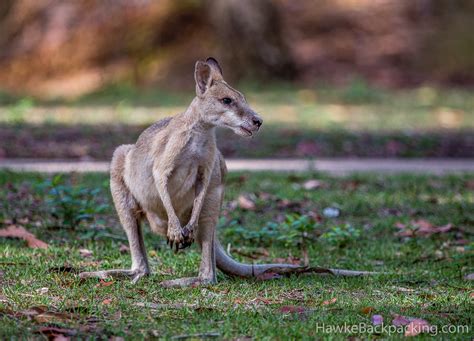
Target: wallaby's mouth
(248, 132)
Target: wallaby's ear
(214, 64)
(202, 75)
(205, 73)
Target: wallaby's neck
(193, 121)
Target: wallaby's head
(220, 104)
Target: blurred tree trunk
(249, 37)
(5, 9)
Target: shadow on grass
(57, 141)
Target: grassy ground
(356, 120)
(426, 281)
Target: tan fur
(174, 176)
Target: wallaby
(174, 175)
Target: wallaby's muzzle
(252, 123)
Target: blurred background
(332, 78)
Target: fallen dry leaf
(420, 227)
(258, 300)
(53, 317)
(116, 338)
(402, 289)
(103, 283)
(283, 204)
(288, 260)
(331, 301)
(265, 196)
(107, 301)
(42, 291)
(367, 310)
(33, 311)
(246, 203)
(312, 184)
(428, 230)
(291, 309)
(351, 185)
(414, 325)
(377, 320)
(14, 231)
(417, 326)
(315, 216)
(85, 253)
(422, 223)
(157, 306)
(294, 295)
(56, 333)
(400, 226)
(400, 320)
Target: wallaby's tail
(229, 266)
(226, 264)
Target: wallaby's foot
(134, 275)
(187, 282)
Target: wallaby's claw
(175, 236)
(188, 239)
(185, 244)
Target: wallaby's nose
(257, 121)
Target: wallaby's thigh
(128, 210)
(157, 225)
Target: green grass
(426, 277)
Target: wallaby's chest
(197, 149)
(197, 154)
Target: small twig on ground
(157, 306)
(197, 335)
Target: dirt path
(331, 166)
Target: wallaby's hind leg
(130, 218)
(206, 233)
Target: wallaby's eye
(226, 100)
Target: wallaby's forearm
(162, 187)
(204, 175)
(162, 171)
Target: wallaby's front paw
(188, 235)
(175, 235)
